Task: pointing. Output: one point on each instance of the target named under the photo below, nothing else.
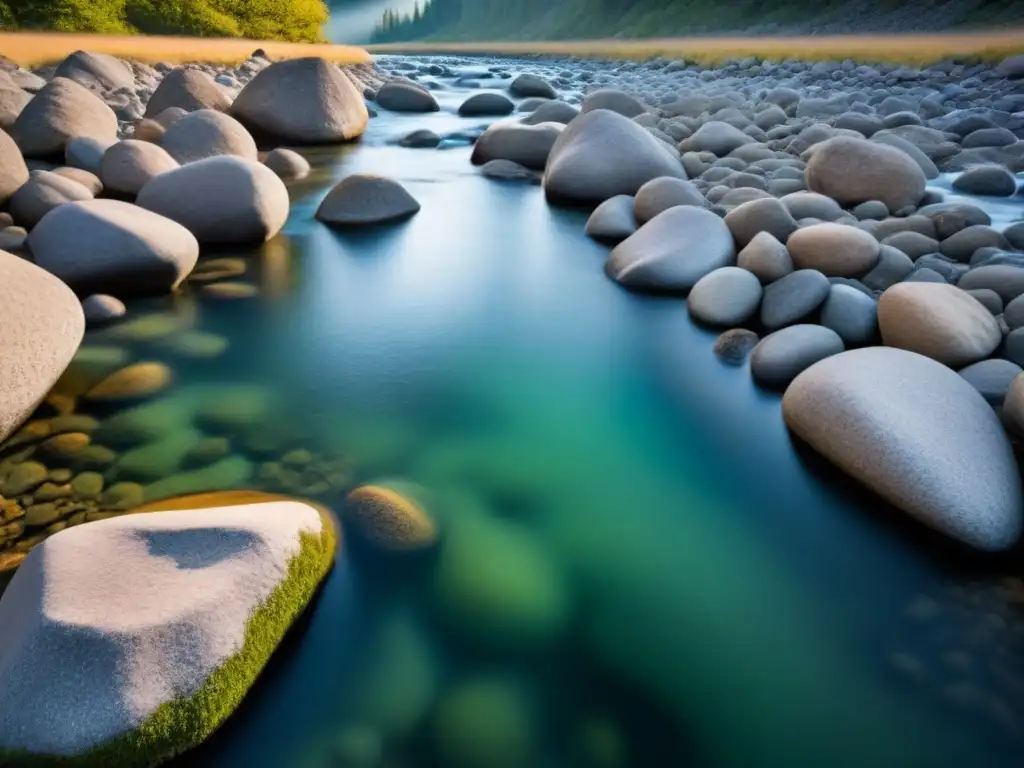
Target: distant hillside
(294, 20)
(577, 19)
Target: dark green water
(685, 587)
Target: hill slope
(576, 19)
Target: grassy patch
(180, 725)
(31, 49)
(892, 49)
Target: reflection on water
(636, 567)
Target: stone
(87, 485)
(208, 270)
(138, 592)
(288, 164)
(41, 515)
(716, 137)
(611, 100)
(780, 356)
(88, 180)
(872, 210)
(988, 180)
(43, 326)
(45, 191)
(229, 473)
(765, 257)
(63, 110)
(811, 205)
(924, 162)
(158, 459)
(729, 296)
(733, 346)
(914, 244)
(13, 171)
(506, 170)
(526, 85)
(195, 345)
(498, 587)
(939, 321)
(853, 171)
(665, 192)
(793, 297)
(12, 100)
(487, 104)
(485, 723)
(138, 380)
(420, 139)
(915, 433)
(851, 314)
(1013, 406)
(602, 154)
(86, 153)
(363, 199)
(552, 112)
(108, 246)
(231, 409)
(188, 89)
(64, 446)
(769, 216)
(12, 239)
(220, 199)
(835, 250)
(672, 251)
(390, 516)
(402, 96)
(122, 496)
(527, 145)
(1014, 235)
(1006, 280)
(962, 245)
(613, 220)
(99, 72)
(148, 130)
(23, 478)
(991, 378)
(306, 101)
(230, 290)
(205, 134)
(989, 299)
(129, 164)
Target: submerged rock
(734, 345)
(192, 603)
(917, 434)
(363, 199)
(485, 723)
(390, 516)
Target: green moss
(178, 726)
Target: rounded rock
(660, 194)
(781, 356)
(487, 104)
(793, 297)
(852, 171)
(207, 133)
(835, 250)
(45, 191)
(101, 309)
(734, 345)
(613, 220)
(527, 145)
(363, 199)
(188, 89)
(390, 518)
(403, 96)
(288, 164)
(726, 297)
(770, 216)
(851, 314)
(63, 110)
(991, 378)
(128, 165)
(765, 257)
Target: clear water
(732, 600)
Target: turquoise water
(682, 586)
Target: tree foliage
(295, 20)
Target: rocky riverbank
(852, 229)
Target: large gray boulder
(98, 72)
(918, 435)
(986, 180)
(526, 85)
(748, 220)
(306, 101)
(672, 251)
(613, 220)
(660, 194)
(189, 89)
(602, 154)
(43, 325)
(113, 247)
(42, 193)
(727, 297)
(207, 133)
(612, 100)
(128, 165)
(61, 111)
(939, 321)
(12, 101)
(527, 145)
(220, 199)
(362, 199)
(13, 171)
(853, 171)
(403, 96)
(780, 356)
(835, 250)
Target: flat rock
(141, 613)
(729, 296)
(853, 171)
(43, 325)
(835, 250)
(222, 199)
(672, 251)
(780, 356)
(918, 435)
(793, 297)
(306, 101)
(61, 111)
(207, 133)
(939, 321)
(113, 247)
(363, 199)
(602, 154)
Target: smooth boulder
(765, 257)
(207, 133)
(613, 220)
(288, 164)
(835, 250)
(938, 321)
(363, 199)
(113, 247)
(220, 199)
(726, 297)
(793, 297)
(45, 191)
(527, 85)
(307, 101)
(42, 325)
(128, 165)
(403, 96)
(602, 154)
(13, 171)
(487, 104)
(527, 145)
(613, 100)
(918, 435)
(189, 89)
(98, 72)
(852, 171)
(750, 219)
(61, 111)
(781, 356)
(658, 195)
(850, 313)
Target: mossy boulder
(390, 515)
(496, 586)
(485, 723)
(238, 577)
